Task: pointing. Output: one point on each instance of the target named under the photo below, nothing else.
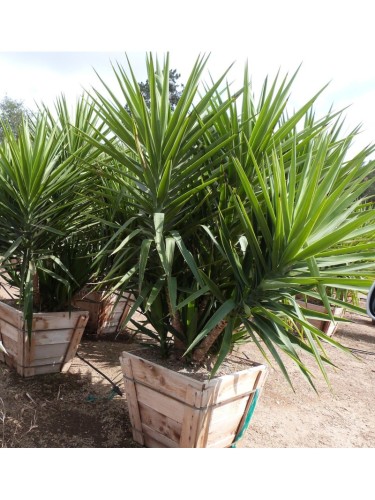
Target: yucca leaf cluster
(236, 207)
(218, 213)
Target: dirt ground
(80, 410)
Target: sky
(50, 52)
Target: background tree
(11, 112)
(175, 89)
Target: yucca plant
(43, 216)
(279, 253)
(161, 162)
(230, 215)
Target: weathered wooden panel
(160, 423)
(106, 313)
(93, 309)
(133, 404)
(163, 441)
(163, 404)
(38, 370)
(207, 417)
(45, 351)
(150, 442)
(221, 428)
(10, 345)
(232, 386)
(55, 320)
(43, 337)
(225, 442)
(226, 412)
(74, 342)
(8, 330)
(328, 327)
(11, 315)
(50, 361)
(162, 379)
(193, 429)
(113, 317)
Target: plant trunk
(202, 351)
(36, 292)
(177, 325)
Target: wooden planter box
(328, 327)
(171, 410)
(53, 344)
(105, 315)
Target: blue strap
(247, 419)
(91, 398)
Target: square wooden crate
(53, 343)
(169, 409)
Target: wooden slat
(11, 315)
(225, 442)
(93, 309)
(8, 330)
(10, 345)
(125, 308)
(162, 379)
(132, 399)
(54, 361)
(191, 419)
(74, 342)
(37, 370)
(150, 442)
(230, 411)
(90, 305)
(11, 361)
(43, 352)
(54, 336)
(231, 386)
(229, 428)
(205, 416)
(328, 327)
(107, 330)
(161, 403)
(113, 317)
(57, 320)
(331, 326)
(156, 439)
(160, 423)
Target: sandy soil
(342, 417)
(80, 410)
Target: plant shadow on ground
(77, 409)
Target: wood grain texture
(171, 409)
(52, 344)
(74, 342)
(132, 400)
(106, 313)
